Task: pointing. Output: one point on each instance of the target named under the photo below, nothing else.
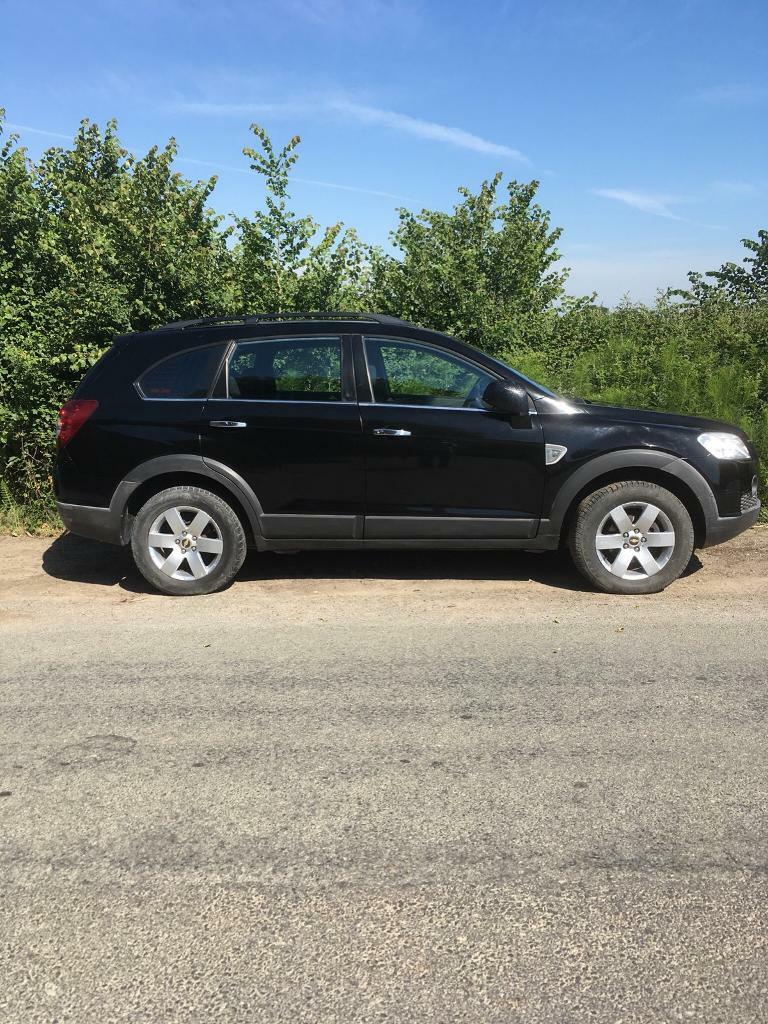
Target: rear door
(439, 463)
(285, 418)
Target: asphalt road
(360, 788)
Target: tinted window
(412, 374)
(185, 375)
(291, 369)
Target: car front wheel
(631, 537)
(187, 540)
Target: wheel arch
(188, 470)
(676, 475)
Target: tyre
(186, 540)
(631, 537)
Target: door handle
(391, 432)
(227, 423)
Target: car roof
(185, 333)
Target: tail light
(72, 416)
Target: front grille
(749, 502)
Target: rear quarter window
(186, 374)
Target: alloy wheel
(635, 540)
(185, 543)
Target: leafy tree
(282, 262)
(732, 282)
(485, 272)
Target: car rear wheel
(631, 537)
(187, 540)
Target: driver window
(406, 373)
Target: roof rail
(259, 318)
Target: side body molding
(550, 528)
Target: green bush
(95, 241)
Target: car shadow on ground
(77, 560)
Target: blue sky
(645, 122)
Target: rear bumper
(725, 527)
(104, 524)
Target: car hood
(623, 414)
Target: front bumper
(726, 527)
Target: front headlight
(724, 446)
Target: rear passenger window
(288, 370)
(185, 375)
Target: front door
(290, 427)
(439, 463)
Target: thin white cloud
(647, 202)
(353, 188)
(732, 94)
(36, 131)
(304, 181)
(424, 129)
(430, 130)
(214, 165)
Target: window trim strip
(301, 401)
(439, 408)
(279, 401)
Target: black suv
(197, 440)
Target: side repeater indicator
(553, 453)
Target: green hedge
(95, 241)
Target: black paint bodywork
(314, 474)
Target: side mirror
(504, 396)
